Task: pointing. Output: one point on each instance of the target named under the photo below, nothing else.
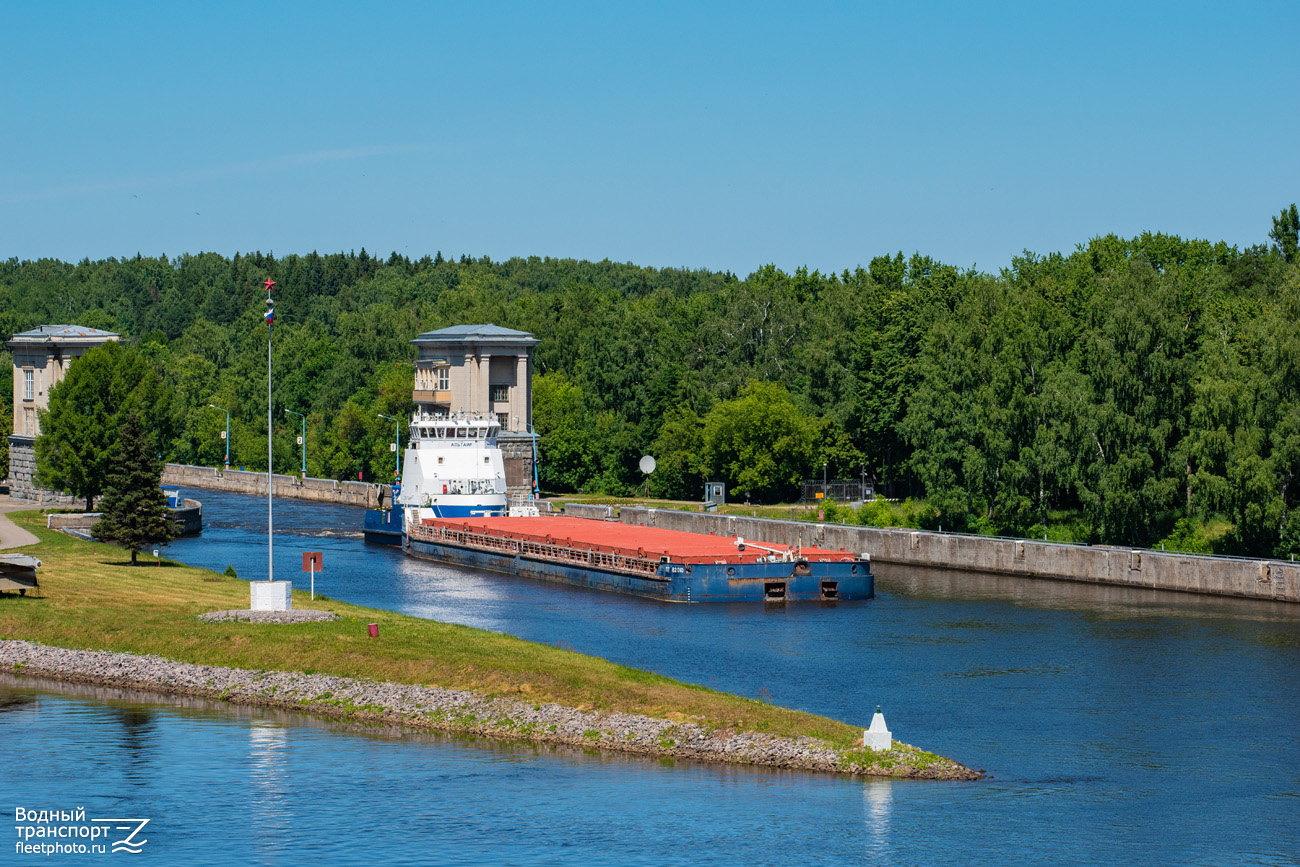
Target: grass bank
(92, 599)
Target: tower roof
(66, 334)
(486, 333)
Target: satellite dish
(647, 465)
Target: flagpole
(270, 544)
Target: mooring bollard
(374, 629)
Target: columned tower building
(483, 370)
(41, 360)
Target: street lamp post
(227, 412)
(304, 440)
(397, 441)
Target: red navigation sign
(313, 562)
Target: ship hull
(384, 526)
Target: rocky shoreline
(461, 711)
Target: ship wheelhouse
(454, 465)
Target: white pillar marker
(878, 736)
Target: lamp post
(397, 442)
(304, 440)
(270, 544)
(227, 437)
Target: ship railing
(547, 551)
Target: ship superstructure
(453, 466)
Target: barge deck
(641, 561)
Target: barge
(641, 561)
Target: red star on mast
(268, 284)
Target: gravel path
(462, 711)
(293, 615)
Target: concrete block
(271, 595)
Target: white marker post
(311, 561)
(878, 737)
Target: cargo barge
(640, 561)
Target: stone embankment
(1277, 580)
(453, 710)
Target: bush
(1188, 536)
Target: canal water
(1117, 726)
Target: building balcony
(427, 396)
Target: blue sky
(714, 135)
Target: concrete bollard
(878, 737)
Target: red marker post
(313, 562)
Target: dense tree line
(1133, 388)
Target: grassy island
(92, 599)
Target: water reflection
(12, 702)
(136, 741)
(270, 810)
(877, 804)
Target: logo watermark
(69, 832)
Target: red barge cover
(629, 540)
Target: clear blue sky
(716, 135)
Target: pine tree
(134, 508)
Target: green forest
(1136, 391)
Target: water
(1117, 726)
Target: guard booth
(715, 494)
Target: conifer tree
(134, 508)
(1286, 232)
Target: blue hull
(384, 526)
(749, 582)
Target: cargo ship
(641, 561)
(453, 468)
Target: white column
(466, 401)
(485, 383)
(519, 394)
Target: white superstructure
(453, 467)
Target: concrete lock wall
(1096, 564)
(584, 510)
(362, 494)
(189, 516)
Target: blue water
(1117, 726)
